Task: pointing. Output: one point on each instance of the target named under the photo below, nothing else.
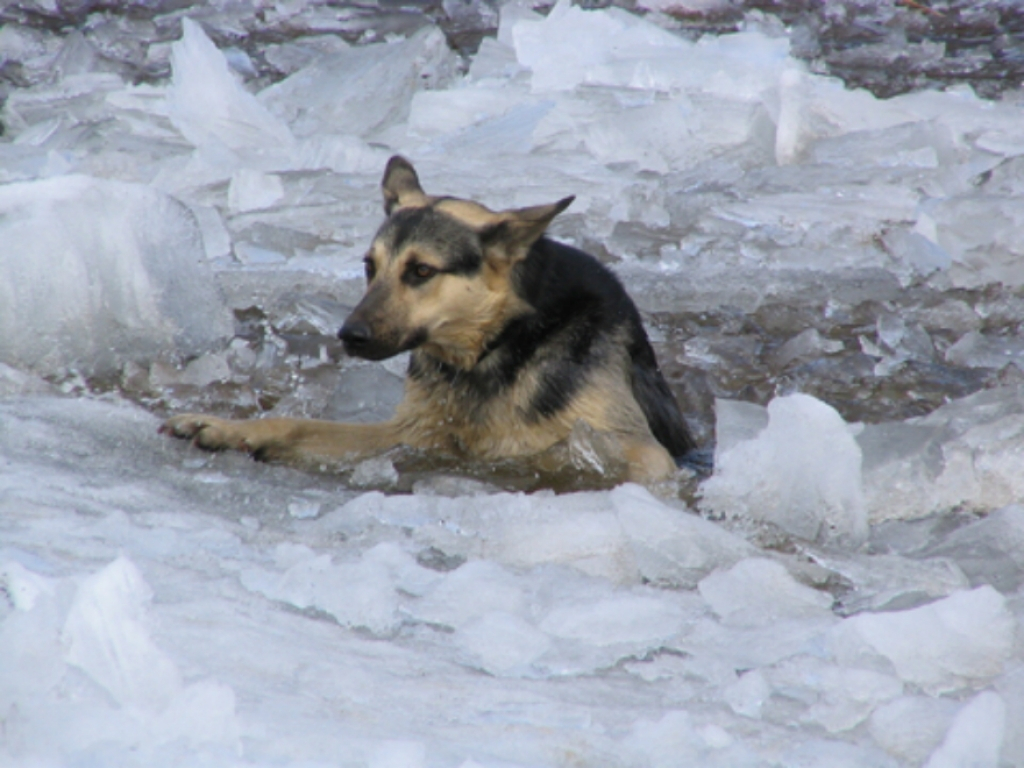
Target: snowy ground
(833, 283)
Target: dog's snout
(355, 333)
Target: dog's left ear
(401, 186)
(520, 228)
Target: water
(832, 283)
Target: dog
(514, 338)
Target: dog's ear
(518, 229)
(401, 186)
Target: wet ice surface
(833, 285)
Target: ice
(806, 344)
(882, 582)
(97, 272)
(256, 600)
(360, 91)
(977, 350)
(965, 453)
(989, 551)
(960, 641)
(209, 106)
(911, 727)
(802, 473)
(671, 547)
(840, 699)
(618, 49)
(976, 735)
(845, 595)
(105, 637)
(757, 592)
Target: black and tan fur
(514, 338)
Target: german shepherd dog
(514, 338)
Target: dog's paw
(208, 432)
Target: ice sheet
(847, 595)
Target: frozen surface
(209, 608)
(833, 285)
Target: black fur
(426, 225)
(580, 311)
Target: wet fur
(514, 339)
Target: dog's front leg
(290, 440)
(647, 461)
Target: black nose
(355, 333)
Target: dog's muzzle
(360, 341)
(357, 338)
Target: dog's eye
(419, 273)
(425, 271)
(371, 268)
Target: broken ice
(846, 594)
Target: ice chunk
(911, 727)
(990, 551)
(97, 272)
(737, 422)
(966, 453)
(981, 235)
(106, 637)
(976, 735)
(378, 472)
(356, 594)
(714, 644)
(251, 190)
(806, 344)
(591, 540)
(890, 582)
(671, 546)
(209, 106)
(363, 90)
(748, 694)
(469, 593)
(612, 47)
(615, 620)
(757, 592)
(437, 113)
(502, 644)
(840, 698)
(801, 473)
(959, 641)
(30, 635)
(977, 350)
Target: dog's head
(439, 272)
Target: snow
(836, 593)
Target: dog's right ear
(401, 186)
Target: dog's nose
(355, 333)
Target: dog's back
(579, 351)
(566, 283)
